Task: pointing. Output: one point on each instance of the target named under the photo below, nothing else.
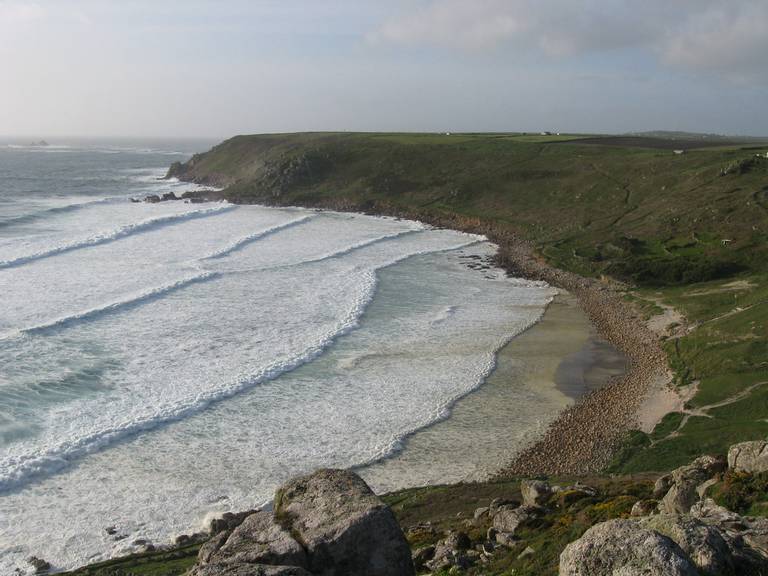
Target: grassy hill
(688, 230)
(642, 214)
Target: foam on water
(165, 362)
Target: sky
(205, 68)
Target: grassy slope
(641, 214)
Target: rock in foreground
(622, 547)
(329, 523)
(344, 527)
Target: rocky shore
(584, 437)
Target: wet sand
(538, 374)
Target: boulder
(257, 540)
(481, 513)
(449, 552)
(662, 486)
(343, 526)
(644, 508)
(535, 492)
(683, 492)
(749, 457)
(704, 544)
(505, 539)
(246, 570)
(509, 518)
(708, 511)
(623, 548)
(756, 535)
(209, 548)
(497, 503)
(458, 541)
(421, 556)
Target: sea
(161, 364)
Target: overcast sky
(215, 68)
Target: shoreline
(584, 437)
(541, 371)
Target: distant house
(546, 133)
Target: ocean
(161, 364)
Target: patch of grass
(560, 525)
(648, 308)
(743, 493)
(723, 386)
(668, 424)
(727, 353)
(164, 563)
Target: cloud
(730, 39)
(473, 25)
(17, 12)
(704, 35)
